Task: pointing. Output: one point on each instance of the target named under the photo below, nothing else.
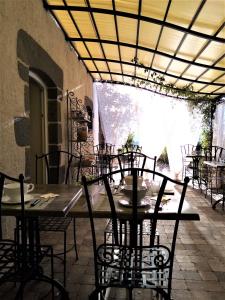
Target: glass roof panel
(115, 67)
(193, 72)
(95, 50)
(106, 26)
(216, 10)
(148, 40)
(177, 36)
(101, 4)
(213, 52)
(117, 78)
(76, 2)
(96, 76)
(177, 67)
(111, 51)
(105, 77)
(81, 49)
(160, 62)
(190, 47)
(90, 65)
(170, 40)
(127, 54)
(141, 73)
(84, 23)
(55, 2)
(102, 66)
(128, 69)
(211, 75)
(154, 9)
(123, 5)
(144, 57)
(181, 12)
(65, 20)
(209, 89)
(127, 30)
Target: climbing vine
(203, 104)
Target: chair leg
(74, 238)
(52, 273)
(64, 260)
(19, 294)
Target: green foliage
(206, 104)
(130, 140)
(158, 83)
(164, 157)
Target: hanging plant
(158, 83)
(205, 105)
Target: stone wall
(31, 41)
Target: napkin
(49, 195)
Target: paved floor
(199, 271)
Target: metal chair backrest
(6, 179)
(132, 147)
(60, 166)
(187, 149)
(105, 148)
(134, 218)
(133, 159)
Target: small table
(101, 208)
(58, 206)
(216, 167)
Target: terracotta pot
(82, 133)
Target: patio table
(101, 208)
(59, 206)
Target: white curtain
(156, 121)
(96, 117)
(219, 126)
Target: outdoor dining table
(101, 208)
(58, 200)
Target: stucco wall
(30, 17)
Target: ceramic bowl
(128, 190)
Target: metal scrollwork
(162, 257)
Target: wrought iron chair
(187, 166)
(61, 167)
(132, 147)
(131, 160)
(213, 179)
(103, 153)
(132, 264)
(20, 259)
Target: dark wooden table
(59, 206)
(101, 208)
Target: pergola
(129, 42)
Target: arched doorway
(38, 123)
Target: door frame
(44, 110)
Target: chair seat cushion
(54, 223)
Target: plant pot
(82, 134)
